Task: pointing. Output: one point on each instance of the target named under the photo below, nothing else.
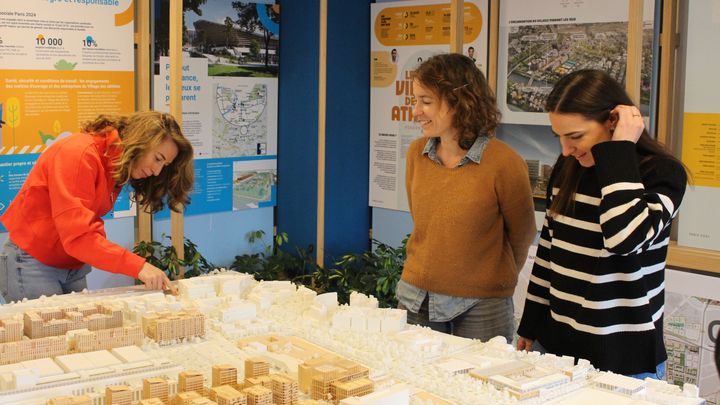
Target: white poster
(403, 34)
(699, 226)
(223, 116)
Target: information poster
(698, 225)
(229, 101)
(61, 63)
(540, 41)
(692, 322)
(403, 34)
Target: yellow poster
(62, 63)
(701, 148)
(41, 106)
(424, 24)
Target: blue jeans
(659, 373)
(22, 276)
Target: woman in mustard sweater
(56, 232)
(471, 204)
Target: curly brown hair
(140, 133)
(454, 78)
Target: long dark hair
(455, 78)
(592, 94)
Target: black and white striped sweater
(597, 288)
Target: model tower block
(156, 388)
(316, 376)
(151, 401)
(71, 400)
(285, 390)
(259, 395)
(190, 381)
(256, 367)
(118, 395)
(353, 388)
(10, 330)
(186, 398)
(224, 374)
(227, 395)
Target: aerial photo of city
(539, 55)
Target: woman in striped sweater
(597, 286)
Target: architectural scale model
(168, 327)
(228, 339)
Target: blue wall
(347, 216)
(297, 121)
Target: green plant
(273, 263)
(375, 272)
(165, 258)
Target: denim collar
(474, 154)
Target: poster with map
(692, 323)
(229, 100)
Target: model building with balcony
(166, 328)
(58, 321)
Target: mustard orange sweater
(472, 225)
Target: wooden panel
(456, 26)
(692, 258)
(667, 80)
(143, 222)
(322, 98)
(175, 51)
(634, 50)
(494, 21)
(669, 116)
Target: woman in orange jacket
(56, 232)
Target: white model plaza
(230, 319)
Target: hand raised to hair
(629, 124)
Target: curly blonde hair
(141, 133)
(455, 78)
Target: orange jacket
(56, 216)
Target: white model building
(369, 319)
(361, 300)
(267, 293)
